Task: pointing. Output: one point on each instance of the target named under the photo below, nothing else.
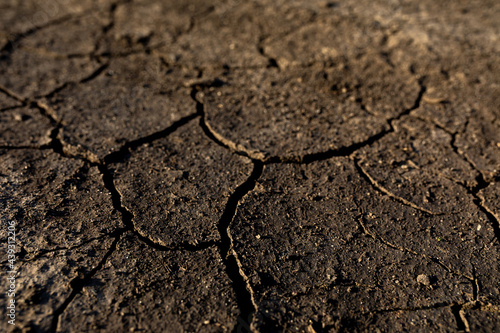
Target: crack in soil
(271, 62)
(67, 150)
(60, 147)
(44, 109)
(234, 269)
(475, 283)
(494, 220)
(12, 94)
(294, 159)
(128, 216)
(233, 266)
(105, 29)
(462, 324)
(8, 48)
(121, 154)
(481, 182)
(13, 107)
(37, 255)
(456, 308)
(379, 188)
(77, 285)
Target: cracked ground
(251, 166)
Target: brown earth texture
(250, 166)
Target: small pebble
(424, 279)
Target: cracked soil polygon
(231, 42)
(22, 18)
(133, 97)
(155, 291)
(267, 113)
(318, 239)
(64, 207)
(27, 72)
(24, 127)
(177, 187)
(417, 164)
(141, 24)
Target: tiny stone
(423, 279)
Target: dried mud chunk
(387, 282)
(417, 164)
(42, 59)
(58, 202)
(75, 37)
(43, 284)
(420, 36)
(133, 98)
(268, 113)
(424, 279)
(150, 24)
(185, 291)
(177, 187)
(318, 236)
(24, 127)
(445, 102)
(277, 19)
(457, 92)
(227, 36)
(485, 319)
(324, 40)
(20, 18)
(30, 73)
(62, 213)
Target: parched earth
(264, 166)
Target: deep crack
(116, 198)
(462, 325)
(234, 269)
(123, 152)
